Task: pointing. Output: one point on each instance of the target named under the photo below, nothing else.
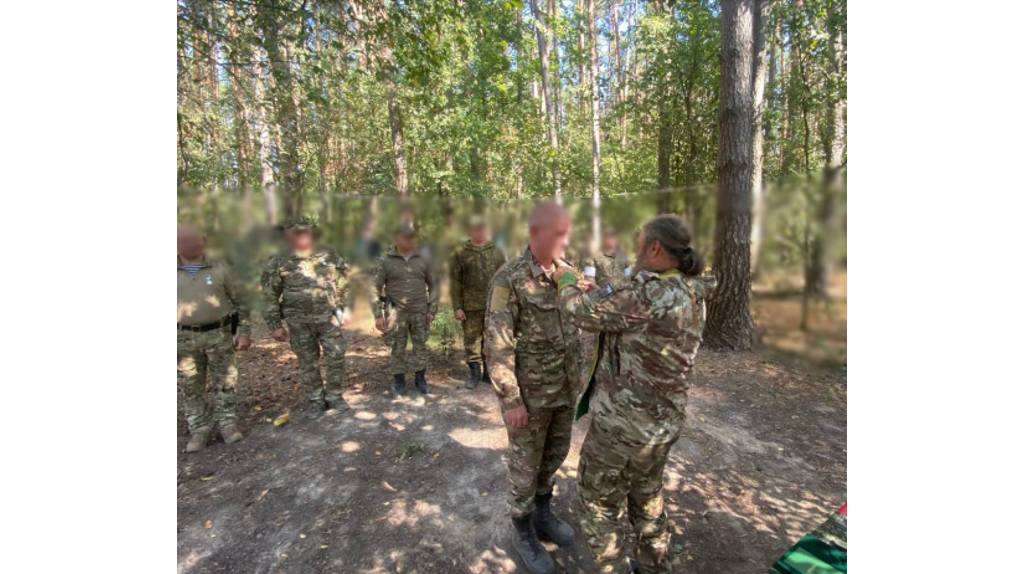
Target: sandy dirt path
(418, 485)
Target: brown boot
(230, 433)
(199, 439)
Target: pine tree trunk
(834, 147)
(595, 129)
(618, 91)
(730, 325)
(263, 141)
(239, 69)
(292, 173)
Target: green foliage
(465, 78)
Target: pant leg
(192, 378)
(223, 376)
(647, 508)
(525, 453)
(418, 333)
(473, 336)
(399, 334)
(557, 442)
(602, 487)
(305, 344)
(334, 344)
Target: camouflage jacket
(408, 285)
(611, 269)
(532, 349)
(304, 288)
(471, 269)
(210, 295)
(650, 332)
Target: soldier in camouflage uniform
(650, 332)
(533, 353)
(306, 290)
(405, 302)
(471, 269)
(611, 265)
(208, 295)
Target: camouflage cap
(476, 220)
(405, 228)
(301, 223)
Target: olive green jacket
(406, 284)
(210, 295)
(471, 269)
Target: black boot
(530, 551)
(486, 377)
(474, 376)
(548, 526)
(400, 384)
(421, 382)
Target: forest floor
(419, 484)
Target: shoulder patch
(499, 298)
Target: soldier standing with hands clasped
(210, 307)
(306, 289)
(650, 332)
(471, 269)
(405, 302)
(533, 352)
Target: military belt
(206, 326)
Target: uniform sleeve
(621, 311)
(455, 281)
(378, 295)
(270, 282)
(341, 286)
(499, 345)
(238, 296)
(432, 297)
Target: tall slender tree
(549, 89)
(595, 128)
(730, 324)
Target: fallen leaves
(281, 420)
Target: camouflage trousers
(207, 358)
(308, 341)
(473, 336)
(405, 326)
(534, 454)
(612, 469)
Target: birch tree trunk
(730, 325)
(760, 75)
(548, 108)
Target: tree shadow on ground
(416, 485)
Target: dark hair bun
(691, 263)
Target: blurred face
(300, 239)
(479, 233)
(405, 243)
(549, 238)
(646, 255)
(651, 257)
(190, 243)
(609, 242)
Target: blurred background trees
(288, 106)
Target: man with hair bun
(650, 331)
